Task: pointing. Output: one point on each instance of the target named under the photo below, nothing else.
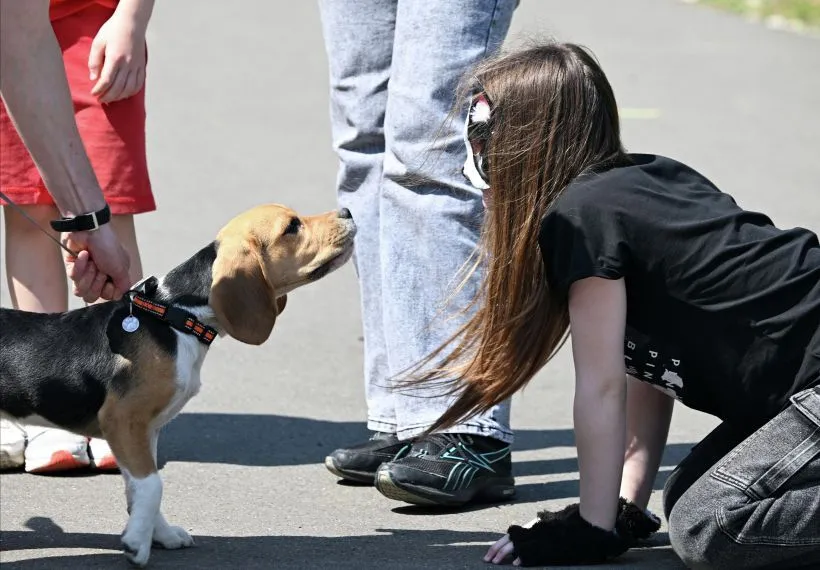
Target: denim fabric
(394, 66)
(751, 501)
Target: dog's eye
(293, 226)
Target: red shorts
(113, 134)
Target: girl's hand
(117, 59)
(500, 551)
(503, 548)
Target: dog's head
(265, 253)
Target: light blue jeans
(394, 68)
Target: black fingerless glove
(634, 523)
(565, 538)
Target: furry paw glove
(634, 523)
(565, 537)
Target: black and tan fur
(82, 372)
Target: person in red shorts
(104, 52)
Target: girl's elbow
(600, 387)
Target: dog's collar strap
(179, 319)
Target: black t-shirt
(723, 309)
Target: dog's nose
(345, 213)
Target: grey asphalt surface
(238, 115)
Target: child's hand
(503, 548)
(501, 551)
(117, 59)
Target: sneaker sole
(348, 475)
(425, 496)
(11, 460)
(59, 461)
(107, 463)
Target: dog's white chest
(190, 355)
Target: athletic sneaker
(12, 445)
(450, 470)
(51, 450)
(359, 462)
(102, 458)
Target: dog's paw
(172, 537)
(137, 550)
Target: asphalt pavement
(237, 116)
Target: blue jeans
(394, 68)
(742, 500)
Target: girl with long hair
(671, 292)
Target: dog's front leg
(144, 495)
(166, 535)
(128, 432)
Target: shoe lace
(379, 435)
(435, 444)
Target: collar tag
(130, 323)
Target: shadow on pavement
(569, 488)
(272, 440)
(394, 549)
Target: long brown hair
(554, 115)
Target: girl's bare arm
(597, 310)
(649, 412)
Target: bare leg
(34, 264)
(123, 226)
(37, 283)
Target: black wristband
(83, 222)
(564, 538)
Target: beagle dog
(122, 369)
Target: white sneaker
(51, 449)
(12, 445)
(102, 458)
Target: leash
(22, 212)
(175, 317)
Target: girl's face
(476, 136)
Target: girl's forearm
(35, 90)
(600, 427)
(649, 412)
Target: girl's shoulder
(637, 185)
(638, 170)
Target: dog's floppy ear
(281, 303)
(242, 298)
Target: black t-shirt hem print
(734, 298)
(660, 366)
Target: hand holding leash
(100, 268)
(95, 260)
